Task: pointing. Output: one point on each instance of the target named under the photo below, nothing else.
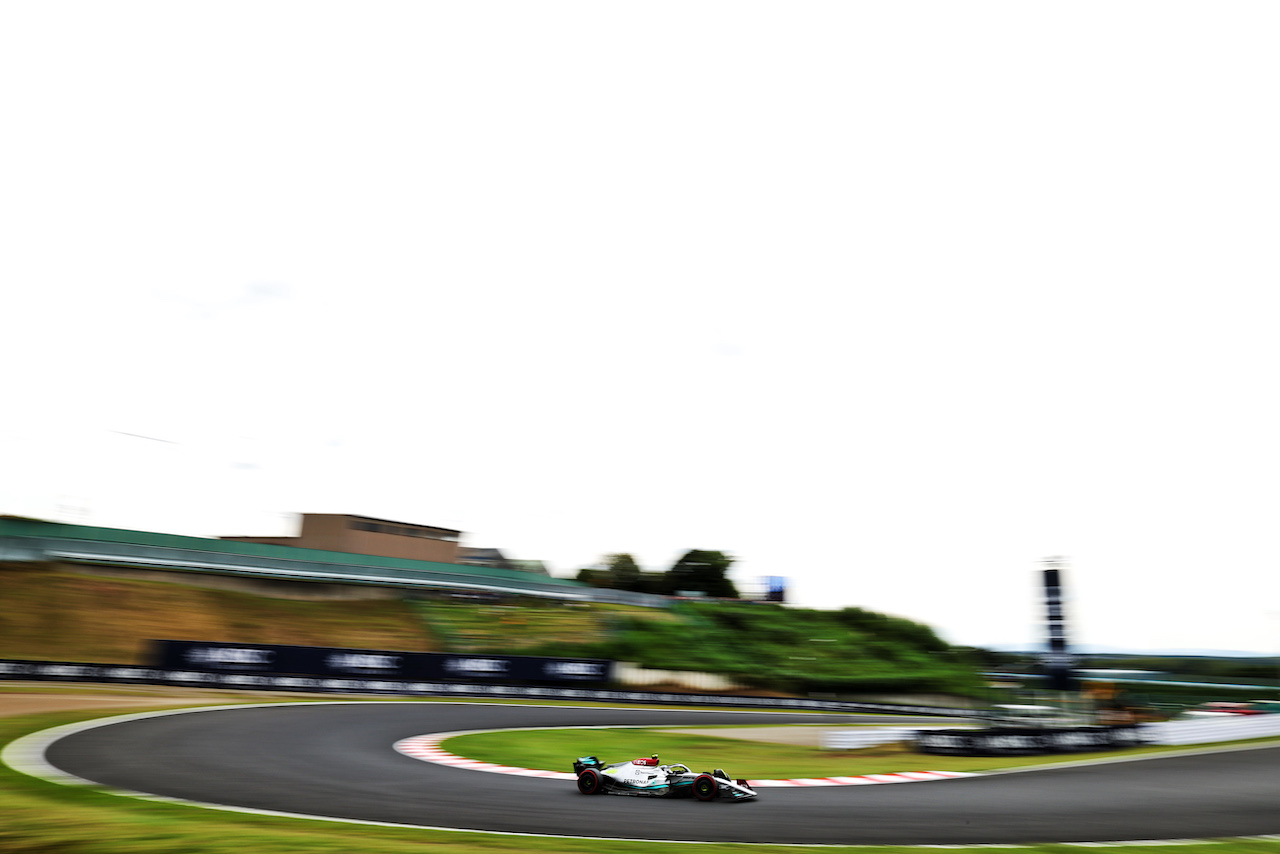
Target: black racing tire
(705, 787)
(589, 782)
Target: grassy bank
(60, 616)
(531, 627)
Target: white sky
(891, 298)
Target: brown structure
(362, 535)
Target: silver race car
(647, 778)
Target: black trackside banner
(276, 658)
(1057, 662)
(327, 662)
(1014, 740)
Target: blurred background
(890, 301)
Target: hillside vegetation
(56, 616)
(790, 650)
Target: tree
(595, 576)
(624, 572)
(615, 572)
(701, 571)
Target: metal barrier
(61, 671)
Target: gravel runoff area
(33, 698)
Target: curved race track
(337, 760)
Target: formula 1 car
(647, 779)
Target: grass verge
(555, 750)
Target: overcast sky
(894, 299)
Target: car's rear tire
(589, 782)
(705, 787)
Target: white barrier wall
(856, 738)
(627, 673)
(1206, 730)
(1200, 731)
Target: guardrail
(60, 671)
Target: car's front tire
(705, 787)
(589, 782)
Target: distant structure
(775, 588)
(1057, 662)
(365, 536)
(469, 556)
(537, 567)
(332, 554)
(766, 588)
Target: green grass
(531, 627)
(799, 651)
(555, 750)
(37, 816)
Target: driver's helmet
(652, 761)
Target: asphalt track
(337, 761)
